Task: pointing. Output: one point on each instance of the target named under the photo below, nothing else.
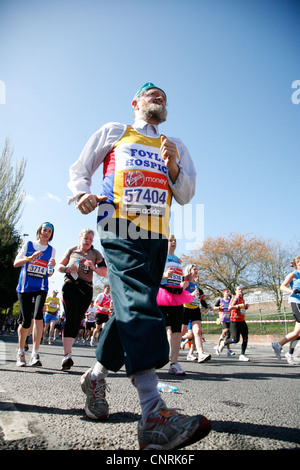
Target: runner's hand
(88, 202)
(169, 151)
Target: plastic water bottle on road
(167, 388)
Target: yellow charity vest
(136, 183)
(54, 304)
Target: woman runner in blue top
(192, 312)
(291, 285)
(34, 258)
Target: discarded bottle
(167, 388)
(50, 269)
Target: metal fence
(259, 323)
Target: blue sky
(228, 68)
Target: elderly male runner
(142, 171)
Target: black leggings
(173, 317)
(31, 306)
(77, 297)
(238, 328)
(296, 314)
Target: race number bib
(176, 277)
(145, 193)
(195, 302)
(37, 268)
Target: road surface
(251, 405)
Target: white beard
(154, 111)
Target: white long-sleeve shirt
(102, 142)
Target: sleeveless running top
(34, 275)
(104, 301)
(238, 314)
(136, 183)
(295, 284)
(224, 311)
(195, 302)
(175, 279)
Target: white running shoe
(222, 346)
(191, 357)
(204, 357)
(244, 358)
(35, 360)
(176, 369)
(290, 358)
(67, 362)
(21, 361)
(216, 348)
(230, 353)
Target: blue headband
(47, 224)
(147, 86)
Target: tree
(274, 267)
(11, 194)
(226, 262)
(99, 283)
(9, 244)
(11, 198)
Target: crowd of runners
(188, 316)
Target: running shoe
(21, 361)
(221, 347)
(96, 406)
(166, 429)
(230, 353)
(243, 358)
(290, 358)
(277, 349)
(35, 360)
(50, 341)
(176, 369)
(204, 357)
(191, 357)
(67, 362)
(216, 348)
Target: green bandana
(147, 86)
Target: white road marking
(12, 422)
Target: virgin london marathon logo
(134, 179)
